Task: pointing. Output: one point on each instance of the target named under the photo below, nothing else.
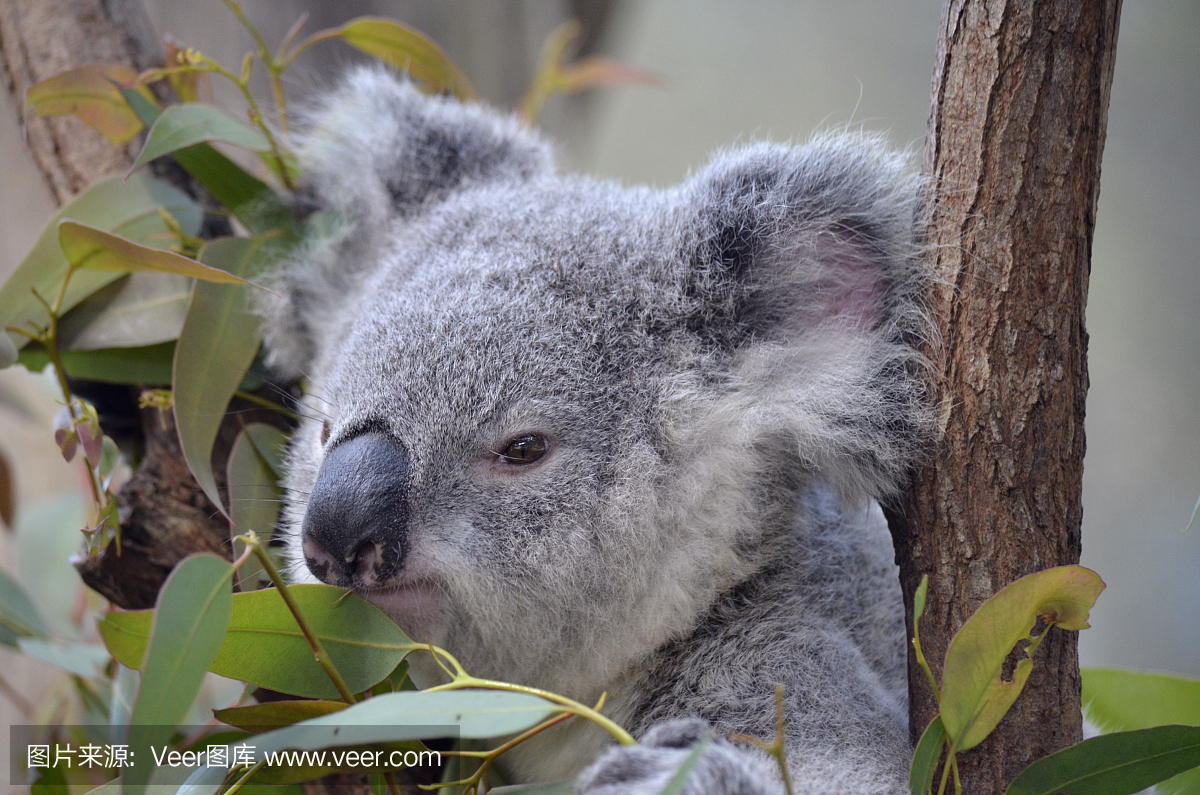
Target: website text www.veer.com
(341, 760)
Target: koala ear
(379, 153)
(804, 263)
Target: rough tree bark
(1012, 158)
(39, 39)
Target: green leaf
(925, 757)
(150, 366)
(251, 200)
(405, 49)
(94, 249)
(566, 787)
(411, 715)
(189, 625)
(181, 126)
(974, 697)
(274, 714)
(1119, 700)
(1113, 764)
(81, 659)
(124, 691)
(1122, 700)
(269, 442)
(134, 311)
(90, 92)
(17, 612)
(129, 209)
(265, 647)
(254, 492)
(677, 782)
(220, 337)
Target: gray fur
(727, 373)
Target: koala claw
(646, 768)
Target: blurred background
(777, 69)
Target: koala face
(552, 419)
(489, 427)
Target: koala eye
(524, 450)
(324, 433)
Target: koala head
(549, 417)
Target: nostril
(365, 563)
(323, 565)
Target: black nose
(356, 527)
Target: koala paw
(646, 768)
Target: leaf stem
(245, 777)
(250, 538)
(267, 404)
(777, 748)
(574, 707)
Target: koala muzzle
(356, 528)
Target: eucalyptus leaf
(254, 492)
(403, 48)
(181, 126)
(275, 714)
(90, 92)
(124, 691)
(129, 209)
(149, 365)
(264, 645)
(134, 311)
(189, 626)
(566, 787)
(220, 339)
(974, 696)
(1117, 699)
(925, 757)
(413, 715)
(94, 249)
(251, 200)
(18, 614)
(1122, 700)
(81, 659)
(269, 442)
(1113, 764)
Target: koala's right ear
(379, 152)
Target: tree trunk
(1012, 162)
(39, 39)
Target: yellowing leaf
(404, 48)
(974, 696)
(89, 247)
(90, 92)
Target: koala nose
(356, 528)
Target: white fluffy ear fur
(805, 266)
(378, 152)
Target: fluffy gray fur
(727, 372)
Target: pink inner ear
(852, 285)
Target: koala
(601, 439)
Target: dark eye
(524, 450)
(325, 433)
